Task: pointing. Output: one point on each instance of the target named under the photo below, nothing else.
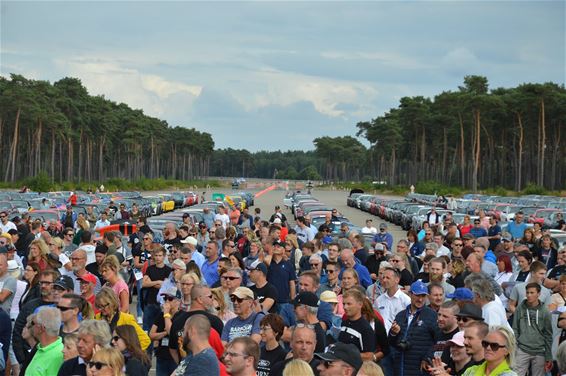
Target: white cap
(190, 240)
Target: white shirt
(100, 223)
(369, 230)
(493, 313)
(8, 226)
(223, 218)
(390, 306)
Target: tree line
(472, 137)
(73, 136)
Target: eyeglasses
(45, 283)
(169, 298)
(315, 264)
(64, 309)
(2, 216)
(229, 278)
(218, 224)
(51, 244)
(97, 365)
(102, 306)
(69, 234)
(234, 355)
(457, 245)
(302, 325)
(235, 299)
(394, 260)
(493, 346)
(330, 271)
(115, 338)
(265, 328)
(146, 239)
(186, 283)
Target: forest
(473, 137)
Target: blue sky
(276, 75)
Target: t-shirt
(268, 358)
(267, 291)
(557, 271)
(119, 287)
(178, 325)
(237, 327)
(155, 274)
(280, 274)
(359, 333)
(205, 363)
(47, 360)
(9, 283)
(162, 349)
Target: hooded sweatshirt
(533, 329)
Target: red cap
(88, 277)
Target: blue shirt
(280, 274)
(478, 232)
(204, 363)
(210, 272)
(516, 230)
(385, 237)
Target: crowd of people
(241, 295)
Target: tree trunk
(13, 149)
(477, 121)
(540, 178)
(462, 154)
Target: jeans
(139, 310)
(164, 367)
(150, 313)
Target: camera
(404, 345)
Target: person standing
(241, 357)
(49, 356)
(281, 273)
(152, 281)
(201, 360)
(413, 333)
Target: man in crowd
(78, 263)
(69, 305)
(332, 282)
(87, 284)
(49, 356)
(340, 360)
(393, 300)
(201, 359)
(517, 227)
(474, 334)
(209, 268)
(303, 343)
(306, 310)
(383, 236)
(413, 333)
(349, 261)
(448, 325)
(246, 323)
(93, 335)
(7, 284)
(241, 357)
(437, 269)
(191, 243)
(281, 273)
(265, 291)
(493, 312)
(309, 282)
(152, 281)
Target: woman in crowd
(56, 246)
(350, 280)
(109, 269)
(192, 267)
(107, 303)
(415, 247)
(31, 341)
(499, 351)
(126, 340)
(559, 299)
(186, 284)
(465, 226)
(82, 225)
(253, 255)
(292, 250)
(505, 269)
(271, 330)
(456, 278)
(70, 346)
(222, 310)
(106, 362)
(298, 367)
(528, 238)
(400, 262)
(31, 276)
(237, 261)
(38, 251)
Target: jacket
(502, 369)
(422, 334)
(127, 319)
(534, 334)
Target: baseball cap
(259, 266)
(506, 237)
(278, 242)
(458, 339)
(171, 291)
(379, 247)
(327, 239)
(243, 293)
(88, 277)
(186, 215)
(461, 293)
(179, 263)
(65, 282)
(472, 311)
(419, 288)
(190, 240)
(345, 352)
(382, 225)
(306, 298)
(329, 297)
(277, 220)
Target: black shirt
(557, 271)
(72, 367)
(162, 350)
(267, 291)
(358, 333)
(93, 268)
(155, 274)
(268, 358)
(362, 255)
(178, 325)
(522, 276)
(406, 278)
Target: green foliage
(533, 189)
(309, 173)
(434, 187)
(497, 191)
(40, 183)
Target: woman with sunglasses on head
(499, 353)
(222, 310)
(107, 303)
(106, 362)
(56, 247)
(109, 269)
(126, 340)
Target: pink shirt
(119, 287)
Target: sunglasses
(235, 299)
(169, 298)
(330, 271)
(494, 346)
(97, 365)
(314, 264)
(64, 309)
(327, 363)
(463, 319)
(230, 278)
(115, 338)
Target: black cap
(101, 248)
(345, 352)
(65, 282)
(186, 215)
(472, 311)
(13, 231)
(306, 298)
(279, 243)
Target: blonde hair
(370, 369)
(196, 279)
(110, 262)
(292, 239)
(107, 296)
(42, 245)
(57, 241)
(112, 357)
(83, 224)
(298, 367)
(219, 295)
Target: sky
(275, 75)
